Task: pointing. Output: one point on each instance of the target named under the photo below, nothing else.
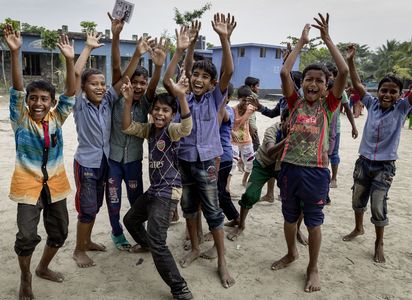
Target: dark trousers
(158, 212)
(225, 201)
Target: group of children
(190, 159)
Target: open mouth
(312, 92)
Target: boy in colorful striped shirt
(39, 180)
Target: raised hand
(305, 34)
(66, 48)
(350, 52)
(323, 26)
(12, 37)
(127, 89)
(286, 52)
(219, 24)
(93, 39)
(158, 53)
(181, 87)
(117, 25)
(182, 38)
(230, 25)
(194, 31)
(144, 44)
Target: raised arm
(92, 42)
(189, 57)
(179, 90)
(127, 92)
(14, 42)
(219, 25)
(158, 55)
(182, 42)
(340, 80)
(288, 86)
(354, 77)
(117, 27)
(67, 50)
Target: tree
(49, 40)
(25, 27)
(187, 17)
(88, 26)
(16, 26)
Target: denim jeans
(158, 213)
(131, 173)
(225, 201)
(199, 181)
(372, 179)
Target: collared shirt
(204, 141)
(33, 168)
(224, 131)
(93, 124)
(381, 134)
(127, 148)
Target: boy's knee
(86, 218)
(26, 242)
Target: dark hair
(165, 98)
(244, 91)
(297, 78)
(89, 72)
(207, 66)
(42, 86)
(285, 114)
(140, 70)
(391, 78)
(332, 69)
(318, 67)
(250, 81)
(230, 90)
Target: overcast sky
(370, 22)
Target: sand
(346, 268)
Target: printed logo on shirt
(161, 144)
(306, 119)
(132, 184)
(155, 164)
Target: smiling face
(39, 103)
(201, 82)
(388, 93)
(139, 84)
(95, 88)
(162, 114)
(314, 85)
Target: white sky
(370, 22)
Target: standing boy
(39, 180)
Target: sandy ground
(346, 268)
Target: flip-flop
(121, 243)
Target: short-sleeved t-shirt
(273, 134)
(224, 131)
(241, 135)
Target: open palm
(13, 38)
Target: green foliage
(170, 42)
(187, 17)
(49, 39)
(209, 45)
(14, 23)
(25, 27)
(88, 26)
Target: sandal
(120, 242)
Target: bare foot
(82, 259)
(189, 258)
(302, 238)
(25, 292)
(210, 253)
(208, 237)
(268, 198)
(379, 257)
(233, 236)
(353, 234)
(92, 246)
(333, 184)
(285, 261)
(49, 275)
(232, 223)
(312, 281)
(138, 249)
(225, 278)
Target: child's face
(95, 88)
(162, 114)
(201, 82)
(314, 85)
(39, 103)
(388, 94)
(255, 88)
(139, 84)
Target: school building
(251, 59)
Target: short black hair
(297, 78)
(42, 86)
(89, 72)
(207, 66)
(332, 69)
(165, 98)
(140, 70)
(250, 81)
(318, 67)
(391, 78)
(244, 91)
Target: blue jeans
(131, 173)
(158, 213)
(199, 181)
(372, 179)
(334, 156)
